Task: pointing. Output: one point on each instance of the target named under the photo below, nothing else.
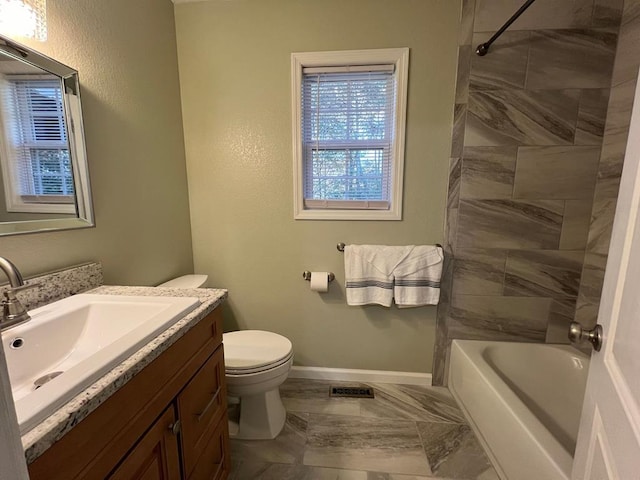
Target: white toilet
(256, 364)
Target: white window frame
(396, 56)
(16, 202)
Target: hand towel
(369, 272)
(417, 277)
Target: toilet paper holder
(307, 276)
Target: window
(349, 111)
(35, 153)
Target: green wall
(234, 60)
(125, 52)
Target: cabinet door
(201, 405)
(155, 457)
(214, 462)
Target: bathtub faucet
(13, 312)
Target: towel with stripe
(378, 274)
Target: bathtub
(524, 402)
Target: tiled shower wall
(529, 197)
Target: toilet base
(262, 417)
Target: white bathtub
(524, 402)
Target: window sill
(327, 214)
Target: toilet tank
(186, 281)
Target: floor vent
(358, 392)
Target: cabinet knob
(175, 427)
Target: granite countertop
(41, 437)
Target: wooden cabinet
(201, 404)
(167, 422)
(155, 457)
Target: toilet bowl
(256, 364)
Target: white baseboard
(352, 375)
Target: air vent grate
(348, 391)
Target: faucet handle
(13, 312)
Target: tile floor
(405, 433)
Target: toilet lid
(250, 349)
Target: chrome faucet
(13, 312)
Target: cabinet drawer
(201, 405)
(214, 463)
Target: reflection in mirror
(45, 180)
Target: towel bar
(341, 246)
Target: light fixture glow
(25, 18)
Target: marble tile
(488, 172)
(357, 443)
(575, 224)
(462, 74)
(587, 311)
(459, 127)
(616, 129)
(543, 14)
(521, 117)
(510, 224)
(561, 59)
(543, 273)
(627, 62)
(607, 12)
(442, 342)
(410, 402)
(454, 451)
(274, 471)
(451, 230)
(609, 176)
(478, 271)
(287, 447)
(556, 172)
(561, 314)
(592, 114)
(302, 396)
(630, 11)
(466, 22)
(440, 371)
(583, 13)
(615, 140)
(592, 275)
(506, 64)
(498, 318)
(453, 199)
(601, 225)
(557, 332)
(453, 188)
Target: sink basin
(69, 344)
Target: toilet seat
(254, 351)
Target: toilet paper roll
(319, 281)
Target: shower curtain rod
(483, 48)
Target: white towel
(417, 277)
(369, 272)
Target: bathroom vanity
(161, 414)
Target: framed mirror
(43, 161)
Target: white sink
(83, 337)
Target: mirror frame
(75, 134)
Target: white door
(609, 438)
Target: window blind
(39, 143)
(348, 118)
